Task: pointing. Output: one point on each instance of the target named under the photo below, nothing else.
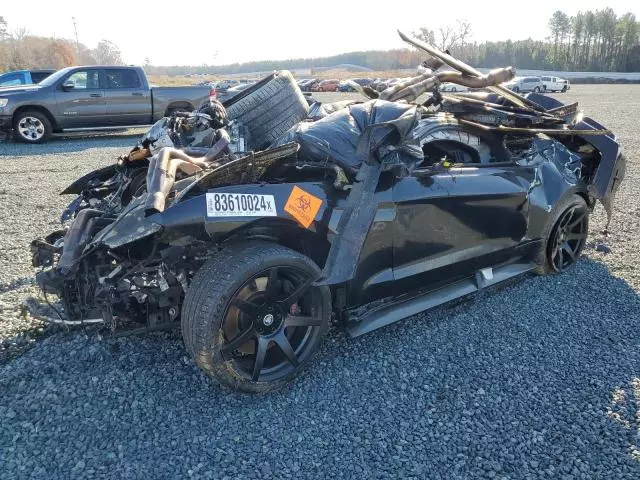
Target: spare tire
(269, 108)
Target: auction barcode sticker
(240, 205)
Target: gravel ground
(539, 379)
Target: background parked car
(328, 85)
(305, 84)
(23, 77)
(345, 87)
(453, 87)
(376, 82)
(309, 85)
(525, 84)
(230, 92)
(226, 84)
(555, 84)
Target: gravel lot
(539, 379)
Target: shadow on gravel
(69, 144)
(513, 384)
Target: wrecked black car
(358, 214)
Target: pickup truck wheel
(564, 236)
(32, 126)
(252, 317)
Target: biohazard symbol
(302, 206)
(304, 202)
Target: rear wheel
(565, 236)
(252, 317)
(537, 89)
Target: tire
(568, 211)
(536, 90)
(454, 89)
(32, 126)
(268, 108)
(544, 87)
(564, 89)
(228, 298)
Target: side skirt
(388, 314)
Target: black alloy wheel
(270, 322)
(252, 316)
(568, 238)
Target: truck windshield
(54, 77)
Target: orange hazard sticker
(302, 206)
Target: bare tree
(107, 53)
(425, 35)
(61, 53)
(3, 29)
(464, 32)
(448, 37)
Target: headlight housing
(3, 102)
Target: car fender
(306, 204)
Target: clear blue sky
(197, 32)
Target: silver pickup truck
(91, 98)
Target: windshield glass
(54, 77)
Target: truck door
(80, 99)
(128, 100)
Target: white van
(555, 84)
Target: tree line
(597, 40)
(19, 50)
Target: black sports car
(363, 217)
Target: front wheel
(564, 236)
(32, 126)
(252, 317)
(536, 90)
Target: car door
(80, 99)
(452, 222)
(128, 100)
